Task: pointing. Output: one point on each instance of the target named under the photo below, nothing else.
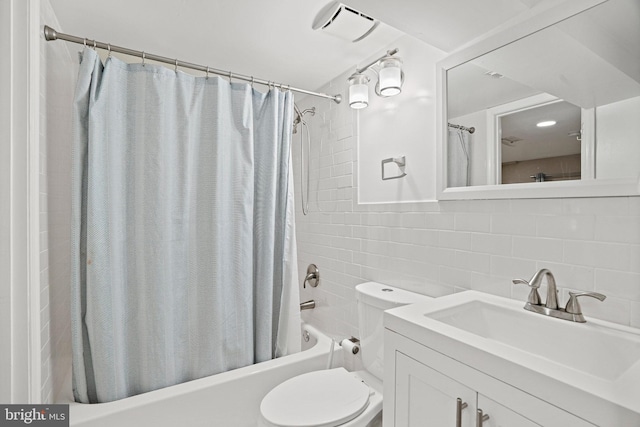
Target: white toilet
(337, 397)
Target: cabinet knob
(481, 418)
(460, 405)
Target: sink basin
(584, 347)
(589, 369)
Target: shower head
(300, 115)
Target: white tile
(634, 256)
(455, 277)
(478, 222)
(618, 284)
(624, 229)
(536, 206)
(513, 224)
(512, 267)
(595, 254)
(495, 244)
(475, 262)
(439, 221)
(491, 284)
(635, 314)
(575, 227)
(454, 240)
(538, 249)
(413, 220)
(596, 206)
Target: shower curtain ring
(230, 76)
(85, 42)
(109, 49)
(144, 55)
(176, 68)
(207, 73)
(252, 80)
(94, 45)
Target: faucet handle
(573, 306)
(534, 296)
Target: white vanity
(473, 359)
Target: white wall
(400, 126)
(617, 132)
(58, 71)
(437, 248)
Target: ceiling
(273, 39)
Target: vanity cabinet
(422, 388)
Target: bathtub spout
(307, 305)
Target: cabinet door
(524, 410)
(501, 416)
(426, 398)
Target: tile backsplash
(437, 248)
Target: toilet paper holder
(351, 344)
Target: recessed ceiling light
(546, 123)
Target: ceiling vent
(344, 22)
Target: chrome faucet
(534, 284)
(572, 312)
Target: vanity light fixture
(546, 123)
(358, 91)
(390, 80)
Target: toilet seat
(322, 398)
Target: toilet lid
(321, 398)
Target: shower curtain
(458, 162)
(184, 257)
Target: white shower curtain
(183, 237)
(458, 158)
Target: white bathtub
(230, 399)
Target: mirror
(546, 107)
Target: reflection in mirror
(541, 144)
(582, 73)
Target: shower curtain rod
(50, 34)
(470, 130)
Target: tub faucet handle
(313, 276)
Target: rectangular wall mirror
(546, 108)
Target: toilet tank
(373, 299)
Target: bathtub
(230, 399)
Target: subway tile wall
(437, 248)
(58, 70)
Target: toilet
(337, 397)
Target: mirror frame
(528, 23)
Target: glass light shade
(390, 76)
(358, 91)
